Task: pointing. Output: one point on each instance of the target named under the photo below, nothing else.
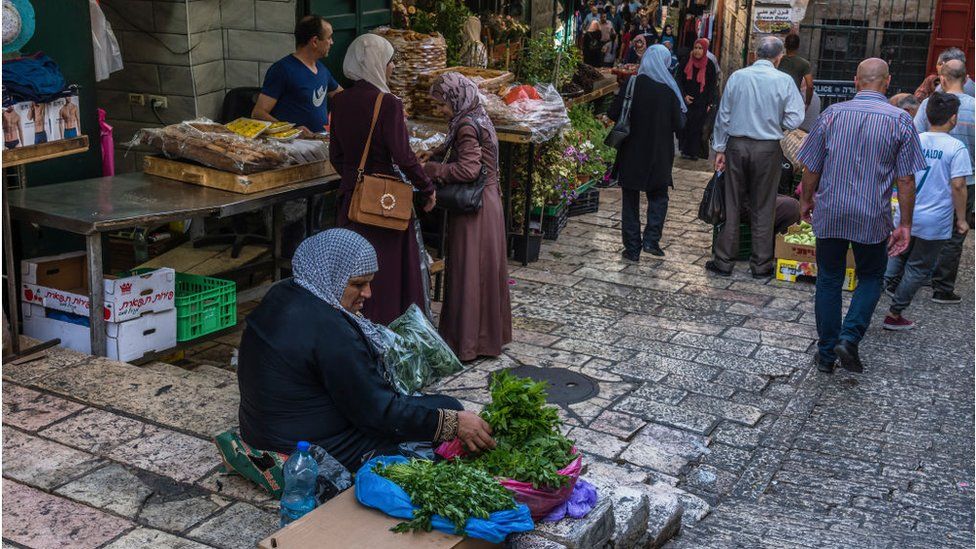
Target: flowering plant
(504, 28)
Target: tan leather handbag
(380, 200)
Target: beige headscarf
(366, 59)
(472, 29)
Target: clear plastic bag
(415, 353)
(212, 144)
(405, 367)
(543, 118)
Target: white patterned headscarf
(323, 265)
(366, 59)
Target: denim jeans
(870, 261)
(657, 210)
(910, 270)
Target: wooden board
(206, 260)
(44, 151)
(235, 183)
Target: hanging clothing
(476, 319)
(108, 57)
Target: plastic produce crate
(745, 241)
(204, 305)
(552, 225)
(587, 202)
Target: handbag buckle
(388, 202)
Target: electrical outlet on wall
(137, 99)
(157, 101)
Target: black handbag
(621, 130)
(464, 198)
(712, 207)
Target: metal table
(91, 207)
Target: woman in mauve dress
(369, 62)
(476, 319)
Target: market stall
(530, 110)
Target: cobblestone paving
(707, 384)
(706, 392)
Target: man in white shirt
(758, 104)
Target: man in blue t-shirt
(297, 86)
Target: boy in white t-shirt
(940, 191)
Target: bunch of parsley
(452, 489)
(530, 447)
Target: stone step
(193, 404)
(219, 377)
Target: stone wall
(191, 52)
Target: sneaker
(711, 267)
(897, 324)
(946, 297)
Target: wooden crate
(197, 174)
(488, 81)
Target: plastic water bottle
(300, 473)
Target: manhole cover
(565, 386)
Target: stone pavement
(709, 414)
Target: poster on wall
(772, 20)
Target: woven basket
(415, 54)
(791, 144)
(488, 81)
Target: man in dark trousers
(855, 151)
(758, 104)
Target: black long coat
(645, 159)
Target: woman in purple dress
(476, 319)
(369, 63)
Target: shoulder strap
(477, 130)
(369, 138)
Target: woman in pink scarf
(697, 80)
(476, 319)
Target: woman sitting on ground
(311, 366)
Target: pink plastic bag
(540, 502)
(108, 145)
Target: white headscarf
(472, 29)
(323, 265)
(654, 65)
(366, 59)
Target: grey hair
(954, 71)
(770, 47)
(907, 102)
(952, 53)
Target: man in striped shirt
(850, 158)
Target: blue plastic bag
(373, 490)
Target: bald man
(854, 152)
(953, 76)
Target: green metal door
(349, 19)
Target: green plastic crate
(745, 241)
(204, 305)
